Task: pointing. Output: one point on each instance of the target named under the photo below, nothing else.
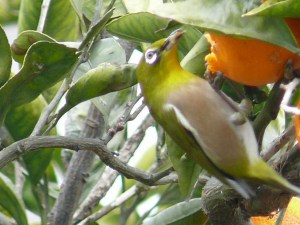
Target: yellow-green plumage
(201, 121)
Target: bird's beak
(172, 40)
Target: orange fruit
(291, 216)
(249, 61)
(297, 124)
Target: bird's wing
(210, 120)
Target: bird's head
(159, 57)
(162, 49)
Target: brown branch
(279, 142)
(134, 190)
(79, 168)
(109, 175)
(269, 111)
(126, 117)
(289, 90)
(97, 146)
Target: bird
(206, 124)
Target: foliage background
(66, 48)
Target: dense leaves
(209, 15)
(95, 71)
(45, 64)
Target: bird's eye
(151, 56)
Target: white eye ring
(151, 56)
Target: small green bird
(202, 121)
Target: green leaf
(5, 58)
(78, 8)
(61, 21)
(281, 8)
(10, 202)
(183, 213)
(147, 27)
(95, 29)
(187, 169)
(25, 39)
(194, 61)
(210, 15)
(103, 79)
(139, 27)
(29, 14)
(107, 51)
(45, 64)
(37, 163)
(20, 122)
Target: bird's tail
(242, 187)
(263, 173)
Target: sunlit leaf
(282, 8)
(184, 213)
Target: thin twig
(279, 142)
(119, 201)
(289, 90)
(84, 49)
(43, 15)
(44, 118)
(127, 116)
(19, 178)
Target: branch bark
(77, 172)
(269, 111)
(109, 175)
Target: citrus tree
(78, 145)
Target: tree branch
(43, 15)
(279, 142)
(79, 168)
(97, 146)
(269, 111)
(119, 201)
(109, 175)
